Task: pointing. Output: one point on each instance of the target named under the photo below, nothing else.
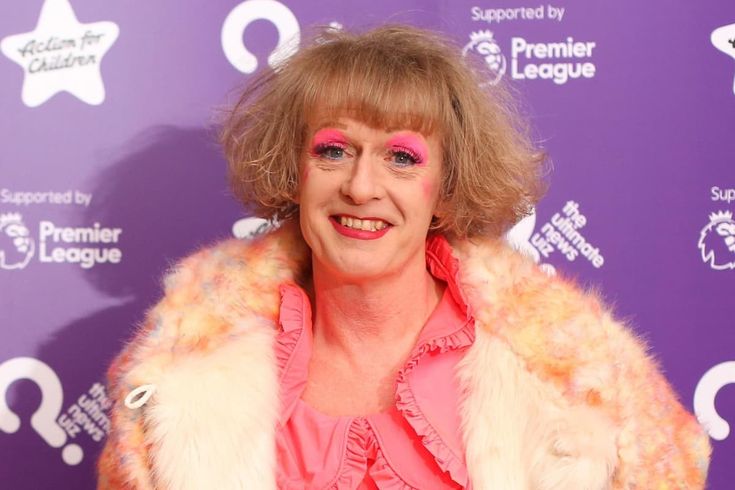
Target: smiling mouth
(370, 224)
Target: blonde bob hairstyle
(391, 77)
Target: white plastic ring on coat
(139, 396)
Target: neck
(358, 318)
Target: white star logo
(61, 54)
(723, 38)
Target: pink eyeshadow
(411, 142)
(326, 136)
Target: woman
(385, 336)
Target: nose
(363, 184)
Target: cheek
(428, 188)
(316, 185)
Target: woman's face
(367, 197)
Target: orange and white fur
(556, 393)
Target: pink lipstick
(355, 233)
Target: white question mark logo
(43, 420)
(704, 399)
(519, 237)
(251, 227)
(723, 38)
(252, 10)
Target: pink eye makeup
(408, 149)
(402, 150)
(328, 143)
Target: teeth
(362, 224)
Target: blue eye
(403, 158)
(330, 152)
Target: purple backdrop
(109, 172)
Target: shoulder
(561, 331)
(570, 340)
(233, 268)
(501, 280)
(226, 290)
(235, 277)
(208, 339)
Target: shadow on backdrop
(170, 197)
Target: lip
(359, 234)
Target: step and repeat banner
(110, 171)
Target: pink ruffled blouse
(416, 444)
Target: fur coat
(556, 393)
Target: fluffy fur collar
(557, 395)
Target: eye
(330, 151)
(404, 157)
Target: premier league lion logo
(717, 241)
(484, 44)
(16, 245)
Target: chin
(359, 271)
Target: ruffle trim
(408, 406)
(443, 264)
(285, 345)
(294, 308)
(360, 439)
(361, 446)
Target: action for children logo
(16, 245)
(85, 246)
(723, 38)
(558, 61)
(717, 241)
(61, 54)
(242, 16)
